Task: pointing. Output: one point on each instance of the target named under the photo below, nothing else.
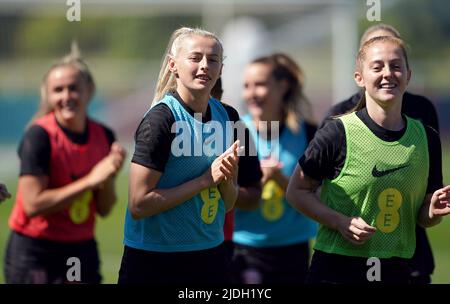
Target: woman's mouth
(203, 77)
(387, 86)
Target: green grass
(110, 232)
(439, 234)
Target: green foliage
(114, 37)
(8, 26)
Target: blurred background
(123, 42)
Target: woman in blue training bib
(272, 241)
(182, 177)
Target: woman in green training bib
(381, 173)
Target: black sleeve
(435, 155)
(341, 108)
(433, 120)
(325, 155)
(153, 138)
(249, 168)
(421, 108)
(109, 134)
(34, 152)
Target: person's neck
(76, 125)
(389, 117)
(196, 101)
(260, 124)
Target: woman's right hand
(216, 173)
(108, 166)
(270, 167)
(355, 230)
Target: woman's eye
(73, 88)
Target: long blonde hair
(166, 79)
(73, 59)
(296, 106)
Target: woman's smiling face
(68, 94)
(383, 72)
(263, 93)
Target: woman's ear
(408, 76)
(90, 90)
(359, 79)
(284, 85)
(173, 66)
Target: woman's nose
(387, 71)
(248, 93)
(65, 94)
(204, 63)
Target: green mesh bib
(382, 182)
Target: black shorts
(270, 265)
(35, 261)
(189, 267)
(229, 249)
(327, 268)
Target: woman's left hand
(440, 202)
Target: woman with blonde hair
(68, 164)
(182, 177)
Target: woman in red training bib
(68, 164)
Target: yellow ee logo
(79, 210)
(272, 201)
(210, 198)
(389, 201)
